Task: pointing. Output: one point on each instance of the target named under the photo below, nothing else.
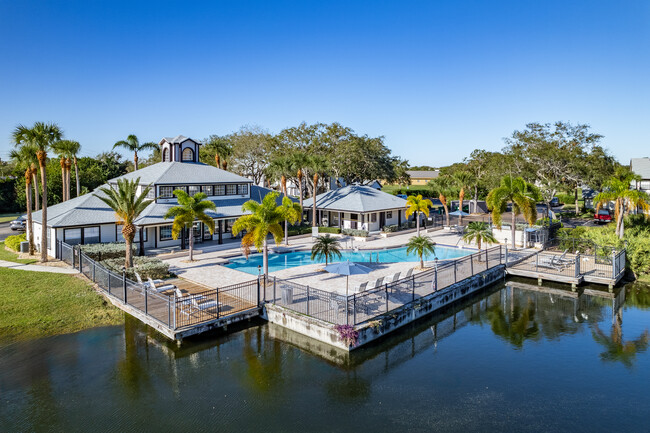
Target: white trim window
(188, 154)
(192, 190)
(207, 190)
(166, 191)
(242, 189)
(231, 189)
(166, 233)
(219, 190)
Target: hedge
(99, 252)
(352, 232)
(300, 230)
(425, 192)
(147, 267)
(335, 230)
(13, 242)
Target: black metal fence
(170, 310)
(363, 306)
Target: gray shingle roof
(424, 174)
(183, 173)
(177, 140)
(90, 210)
(356, 198)
(641, 166)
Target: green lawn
(10, 256)
(39, 304)
(6, 217)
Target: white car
(18, 224)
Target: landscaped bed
(39, 304)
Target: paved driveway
(5, 231)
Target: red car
(603, 216)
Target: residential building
(641, 167)
(422, 177)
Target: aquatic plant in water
(347, 334)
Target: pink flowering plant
(347, 334)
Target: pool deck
(206, 268)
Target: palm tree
(190, 208)
(421, 245)
(132, 144)
(67, 150)
(442, 187)
(617, 189)
(616, 349)
(23, 157)
(299, 161)
(221, 148)
(326, 247)
(520, 194)
(280, 167)
(479, 232)
(41, 136)
(128, 206)
(318, 166)
(264, 219)
(415, 204)
(292, 213)
(463, 180)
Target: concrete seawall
(388, 322)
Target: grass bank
(11, 256)
(6, 217)
(39, 304)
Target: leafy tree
(421, 245)
(189, 209)
(326, 247)
(264, 219)
(252, 148)
(617, 189)
(128, 206)
(67, 150)
(520, 194)
(417, 205)
(42, 136)
(479, 232)
(96, 171)
(216, 151)
(299, 160)
(132, 144)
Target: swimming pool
(278, 262)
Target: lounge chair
(377, 283)
(147, 284)
(157, 289)
(361, 287)
(563, 260)
(409, 274)
(394, 278)
(206, 305)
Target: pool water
(278, 262)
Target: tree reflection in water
(516, 327)
(131, 369)
(617, 350)
(263, 363)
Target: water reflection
(616, 349)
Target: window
(354, 216)
(227, 225)
(373, 218)
(231, 189)
(219, 190)
(72, 236)
(207, 190)
(166, 233)
(188, 154)
(91, 235)
(645, 185)
(166, 191)
(193, 189)
(151, 193)
(120, 238)
(242, 189)
(165, 155)
(389, 214)
(181, 187)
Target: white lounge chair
(409, 274)
(377, 283)
(145, 285)
(361, 287)
(206, 305)
(394, 278)
(157, 289)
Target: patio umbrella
(459, 213)
(347, 268)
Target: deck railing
(360, 307)
(170, 310)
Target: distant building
(421, 177)
(641, 167)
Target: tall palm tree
(318, 165)
(279, 168)
(299, 161)
(617, 189)
(220, 147)
(67, 150)
(128, 206)
(264, 219)
(325, 247)
(417, 205)
(520, 194)
(421, 245)
(444, 189)
(479, 232)
(293, 214)
(132, 144)
(23, 157)
(463, 180)
(42, 135)
(189, 209)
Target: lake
(510, 359)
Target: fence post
(354, 308)
(108, 276)
(79, 252)
(455, 275)
(258, 298)
(386, 289)
(274, 298)
(73, 261)
(308, 300)
(537, 262)
(487, 260)
(614, 265)
(435, 279)
(124, 283)
(471, 263)
(412, 288)
(577, 272)
(258, 290)
(146, 301)
(94, 265)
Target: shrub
(353, 232)
(390, 229)
(99, 252)
(13, 242)
(335, 230)
(347, 334)
(299, 230)
(424, 192)
(147, 267)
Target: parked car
(603, 216)
(555, 202)
(404, 196)
(18, 224)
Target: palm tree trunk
(28, 197)
(68, 180)
(301, 193)
(135, 159)
(314, 198)
(265, 260)
(421, 262)
(76, 175)
(34, 172)
(128, 254)
(621, 221)
(42, 156)
(512, 228)
(461, 196)
(475, 198)
(417, 223)
(191, 242)
(62, 163)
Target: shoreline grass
(40, 304)
(11, 256)
(6, 217)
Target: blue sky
(437, 79)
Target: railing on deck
(360, 307)
(169, 310)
